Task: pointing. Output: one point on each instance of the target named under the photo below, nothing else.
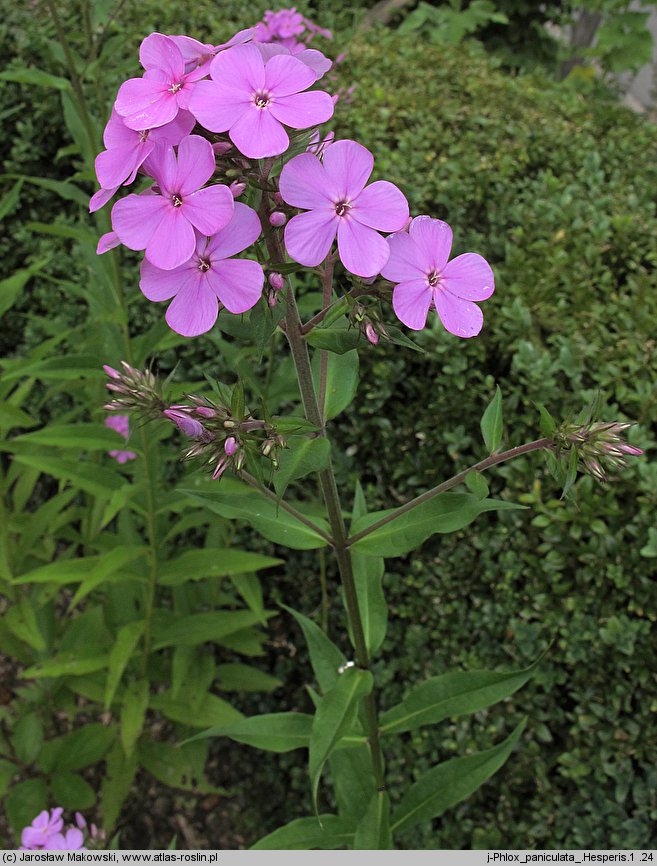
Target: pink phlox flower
(127, 149)
(179, 415)
(156, 99)
(211, 279)
(338, 202)
(282, 27)
(251, 100)
(121, 424)
(419, 264)
(46, 825)
(163, 223)
(314, 59)
(71, 840)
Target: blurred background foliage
(555, 184)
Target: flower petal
(163, 166)
(157, 51)
(196, 164)
(285, 75)
(434, 241)
(305, 183)
(209, 209)
(301, 110)
(308, 236)
(243, 230)
(173, 133)
(382, 206)
(470, 277)
(459, 317)
(217, 107)
(159, 285)
(135, 219)
(117, 134)
(145, 102)
(173, 242)
(313, 58)
(100, 198)
(237, 283)
(405, 262)
(349, 166)
(107, 242)
(194, 310)
(411, 301)
(240, 69)
(118, 164)
(257, 133)
(362, 250)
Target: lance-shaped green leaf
(212, 562)
(92, 479)
(300, 458)
(447, 512)
(271, 732)
(133, 713)
(353, 779)
(373, 832)
(492, 423)
(265, 516)
(341, 381)
(450, 783)
(325, 657)
(120, 654)
(452, 694)
(91, 437)
(323, 832)
(335, 339)
(334, 718)
(201, 627)
(368, 576)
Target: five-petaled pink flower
(128, 149)
(45, 826)
(163, 223)
(210, 277)
(419, 264)
(165, 88)
(338, 202)
(251, 100)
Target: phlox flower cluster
(48, 833)
(209, 124)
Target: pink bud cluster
(600, 446)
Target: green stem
(329, 488)
(253, 482)
(327, 291)
(73, 75)
(493, 460)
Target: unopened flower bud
(222, 465)
(111, 372)
(278, 198)
(237, 188)
(189, 426)
(239, 461)
(230, 446)
(277, 219)
(371, 334)
(205, 412)
(221, 147)
(276, 281)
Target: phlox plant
(255, 217)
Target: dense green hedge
(558, 191)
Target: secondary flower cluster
(599, 446)
(205, 123)
(48, 833)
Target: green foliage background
(557, 188)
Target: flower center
(176, 87)
(342, 208)
(176, 199)
(204, 265)
(261, 99)
(143, 135)
(434, 279)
